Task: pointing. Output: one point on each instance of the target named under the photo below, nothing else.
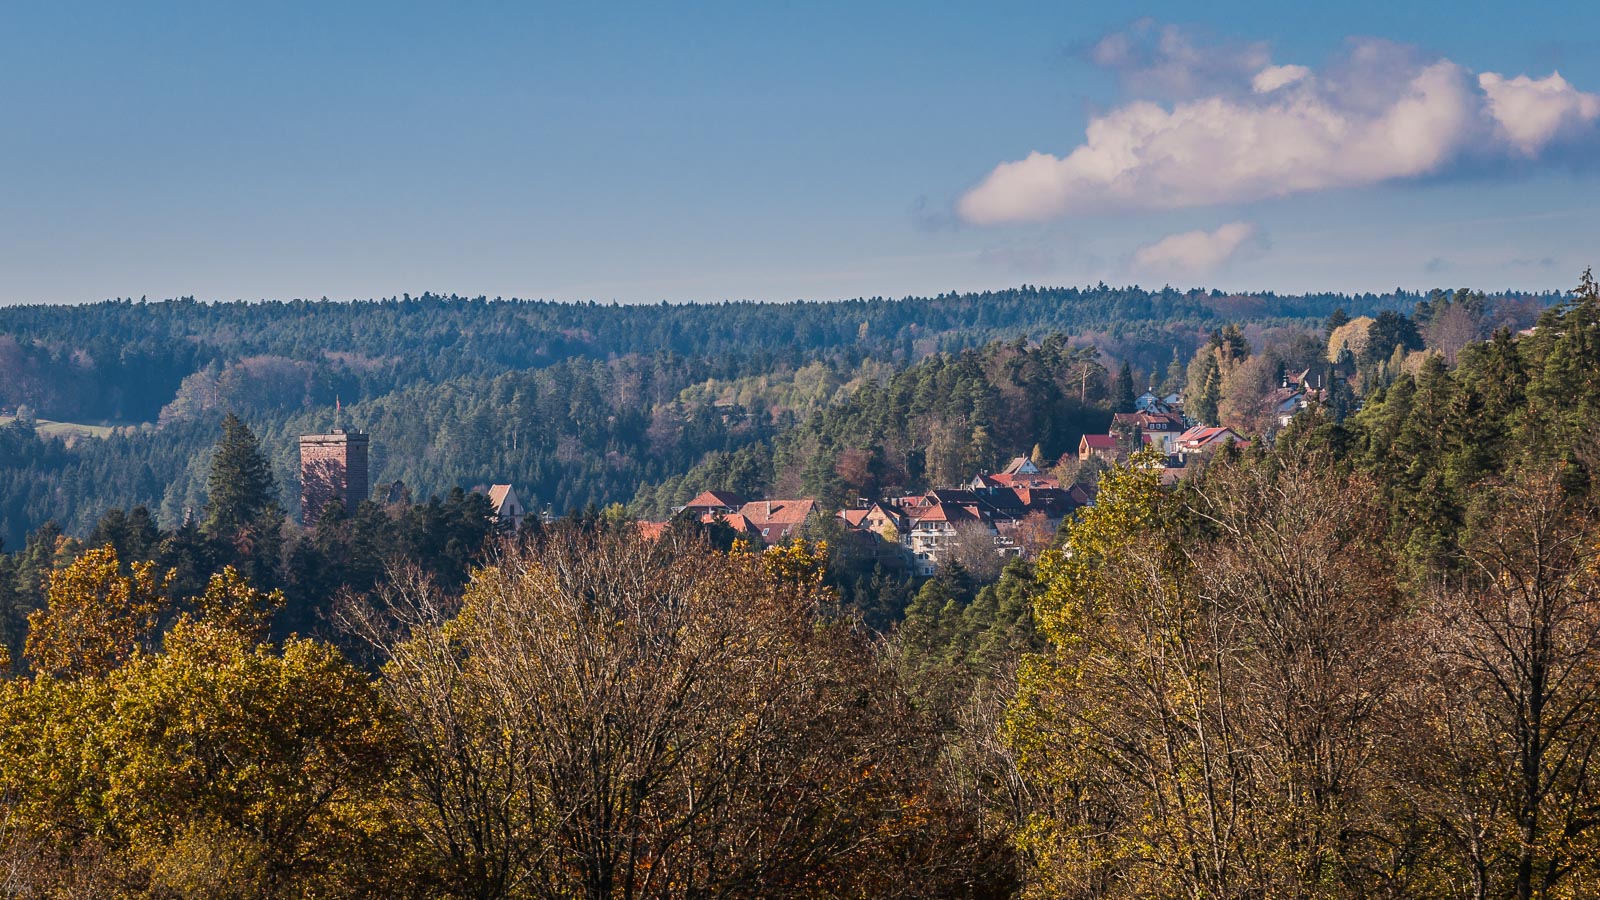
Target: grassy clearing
(63, 429)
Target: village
(1015, 512)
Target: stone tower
(333, 466)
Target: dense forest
(575, 404)
(1358, 657)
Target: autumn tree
(1209, 717)
(97, 617)
(1513, 692)
(208, 764)
(605, 717)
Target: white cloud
(1376, 115)
(1200, 252)
(1273, 77)
(1164, 61)
(1530, 112)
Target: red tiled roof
(854, 517)
(778, 512)
(651, 531)
(1100, 442)
(497, 495)
(1204, 436)
(714, 499)
(732, 520)
(777, 520)
(943, 512)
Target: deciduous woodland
(1354, 654)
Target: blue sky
(772, 151)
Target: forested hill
(125, 360)
(581, 404)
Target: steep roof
(1100, 442)
(1206, 435)
(857, 518)
(777, 520)
(499, 494)
(1021, 465)
(945, 512)
(715, 499)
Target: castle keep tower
(333, 466)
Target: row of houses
(1167, 432)
(1012, 512)
(1000, 511)
(1012, 509)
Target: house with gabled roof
(777, 521)
(1284, 402)
(1101, 445)
(878, 530)
(1150, 429)
(1205, 438)
(931, 528)
(726, 502)
(1149, 402)
(507, 507)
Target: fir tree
(242, 509)
(1125, 396)
(241, 491)
(1336, 320)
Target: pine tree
(1173, 383)
(1204, 407)
(1125, 396)
(241, 491)
(242, 509)
(1336, 320)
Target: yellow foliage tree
(1352, 334)
(213, 766)
(1212, 717)
(230, 603)
(96, 616)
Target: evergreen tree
(242, 510)
(1336, 320)
(133, 535)
(1173, 383)
(1204, 407)
(1125, 396)
(241, 491)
